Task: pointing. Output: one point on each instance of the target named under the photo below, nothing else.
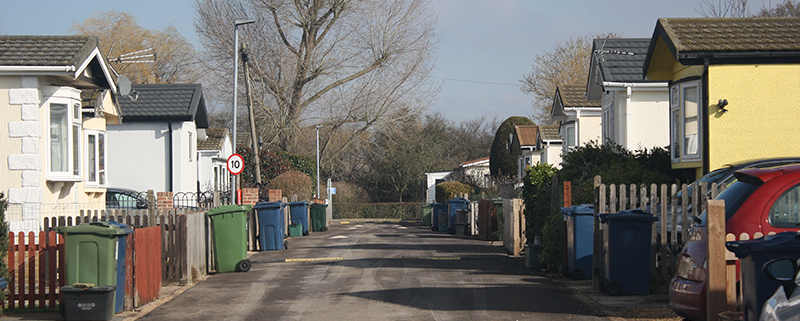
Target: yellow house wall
(762, 112)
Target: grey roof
(549, 132)
(728, 40)
(574, 96)
(165, 102)
(58, 51)
(620, 60)
(45, 50)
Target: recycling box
(89, 303)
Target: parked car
(121, 198)
(785, 303)
(759, 201)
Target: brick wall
(250, 196)
(275, 195)
(164, 200)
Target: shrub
(553, 235)
(271, 167)
(349, 193)
(537, 193)
(502, 163)
(450, 190)
(294, 183)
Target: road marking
(339, 237)
(318, 259)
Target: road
(377, 271)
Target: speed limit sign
(235, 164)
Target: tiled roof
(620, 60)
(475, 162)
(573, 96)
(549, 132)
(526, 134)
(161, 102)
(45, 50)
(215, 137)
(732, 34)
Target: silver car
(785, 303)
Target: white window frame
(574, 142)
(100, 160)
(678, 112)
(74, 140)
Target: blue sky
(486, 45)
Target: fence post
(597, 236)
(716, 289)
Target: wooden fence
(675, 207)
(34, 272)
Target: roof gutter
(37, 69)
(635, 84)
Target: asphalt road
(379, 272)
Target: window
(95, 158)
(571, 136)
(685, 130)
(785, 212)
(64, 148)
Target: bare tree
(789, 8)
(724, 8)
(328, 62)
(119, 33)
(567, 63)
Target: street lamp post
(318, 126)
(236, 24)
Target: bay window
(95, 158)
(685, 128)
(64, 134)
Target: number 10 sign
(235, 164)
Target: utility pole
(246, 67)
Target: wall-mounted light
(722, 103)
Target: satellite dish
(124, 85)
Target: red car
(761, 201)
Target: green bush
(614, 164)
(537, 192)
(272, 165)
(404, 211)
(553, 235)
(501, 163)
(451, 190)
(3, 245)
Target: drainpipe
(704, 102)
(170, 169)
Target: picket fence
(674, 205)
(158, 245)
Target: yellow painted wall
(664, 67)
(762, 118)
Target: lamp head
(243, 22)
(722, 103)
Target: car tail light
(689, 269)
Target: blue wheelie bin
(757, 288)
(119, 296)
(626, 250)
(299, 214)
(437, 208)
(580, 240)
(453, 206)
(270, 225)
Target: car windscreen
(734, 196)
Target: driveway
(390, 271)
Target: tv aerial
(140, 56)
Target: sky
(485, 48)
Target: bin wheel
(305, 234)
(613, 288)
(576, 274)
(435, 228)
(243, 265)
(285, 245)
(323, 229)
(451, 230)
(603, 285)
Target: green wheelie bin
(92, 252)
(318, 217)
(228, 225)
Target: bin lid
(225, 209)
(319, 205)
(102, 288)
(784, 241)
(427, 205)
(583, 209)
(458, 200)
(261, 205)
(125, 228)
(298, 203)
(99, 228)
(439, 205)
(629, 215)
